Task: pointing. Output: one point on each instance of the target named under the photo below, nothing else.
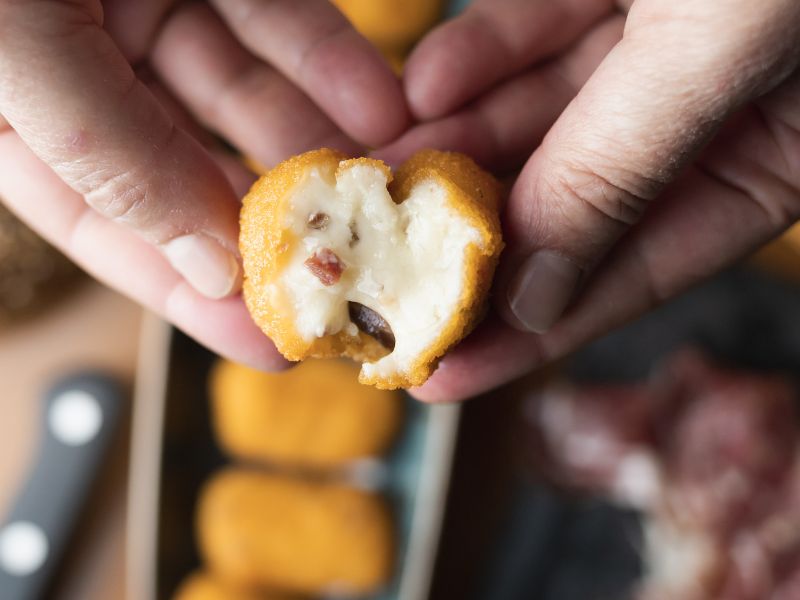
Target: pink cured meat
(722, 450)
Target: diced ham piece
(326, 266)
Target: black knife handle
(81, 413)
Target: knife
(81, 414)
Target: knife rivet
(23, 548)
(75, 417)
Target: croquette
(316, 415)
(205, 586)
(341, 258)
(263, 530)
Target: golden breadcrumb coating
(258, 529)
(206, 586)
(315, 415)
(468, 201)
(392, 25)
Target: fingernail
(541, 290)
(204, 263)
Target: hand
(105, 106)
(665, 146)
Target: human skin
(658, 141)
(105, 110)
(657, 148)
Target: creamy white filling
(407, 262)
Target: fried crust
(470, 192)
(205, 586)
(313, 416)
(261, 530)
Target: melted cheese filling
(404, 261)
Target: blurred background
(135, 464)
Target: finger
(134, 25)
(636, 277)
(246, 101)
(238, 175)
(631, 128)
(177, 112)
(503, 127)
(76, 103)
(116, 256)
(745, 192)
(490, 41)
(492, 355)
(781, 108)
(315, 46)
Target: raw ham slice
(708, 454)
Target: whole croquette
(314, 415)
(257, 529)
(392, 25)
(341, 260)
(205, 586)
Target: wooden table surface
(91, 328)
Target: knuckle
(135, 202)
(120, 197)
(614, 194)
(131, 195)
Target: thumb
(678, 72)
